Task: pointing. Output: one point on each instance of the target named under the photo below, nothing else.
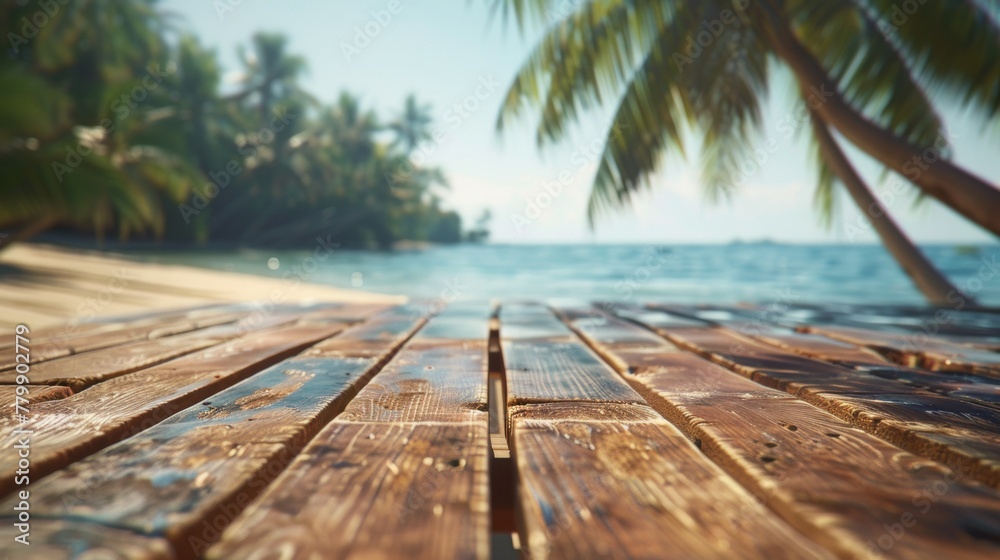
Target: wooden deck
(375, 430)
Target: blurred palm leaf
(646, 56)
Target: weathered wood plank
(546, 363)
(74, 540)
(823, 348)
(402, 471)
(440, 376)
(637, 490)
(559, 371)
(79, 371)
(532, 323)
(919, 350)
(602, 475)
(962, 435)
(955, 325)
(71, 341)
(394, 325)
(35, 394)
(856, 497)
(86, 422)
(187, 477)
(969, 387)
(584, 411)
(199, 329)
(444, 382)
(374, 490)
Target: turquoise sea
(758, 273)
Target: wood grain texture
(969, 387)
(916, 420)
(637, 490)
(79, 371)
(844, 488)
(75, 540)
(856, 485)
(824, 348)
(390, 327)
(440, 376)
(531, 322)
(36, 394)
(549, 364)
(602, 475)
(374, 490)
(82, 424)
(918, 349)
(201, 330)
(585, 412)
(560, 371)
(958, 434)
(177, 478)
(428, 401)
(426, 382)
(80, 338)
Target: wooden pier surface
(609, 430)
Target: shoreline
(47, 285)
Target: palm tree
(413, 126)
(272, 72)
(670, 64)
(935, 287)
(77, 154)
(70, 158)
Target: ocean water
(755, 273)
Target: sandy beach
(46, 285)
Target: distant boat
(763, 241)
(970, 250)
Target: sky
(458, 57)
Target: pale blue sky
(443, 50)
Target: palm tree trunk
(28, 232)
(928, 279)
(960, 190)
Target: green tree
(271, 72)
(93, 161)
(412, 126)
(105, 125)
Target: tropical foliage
(867, 69)
(111, 122)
